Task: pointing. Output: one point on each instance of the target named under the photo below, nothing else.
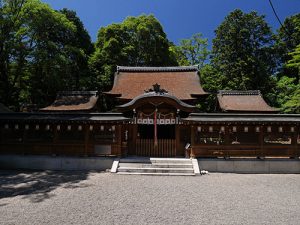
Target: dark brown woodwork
(22, 141)
(86, 139)
(165, 148)
(192, 153)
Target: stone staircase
(156, 166)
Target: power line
(275, 12)
(278, 17)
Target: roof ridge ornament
(156, 89)
(239, 92)
(157, 69)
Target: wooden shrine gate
(164, 148)
(154, 130)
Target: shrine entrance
(154, 131)
(165, 145)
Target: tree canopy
(192, 51)
(288, 38)
(43, 51)
(137, 41)
(242, 52)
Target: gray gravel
(104, 198)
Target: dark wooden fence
(165, 148)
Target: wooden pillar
(55, 139)
(86, 139)
(155, 129)
(226, 135)
(261, 142)
(134, 137)
(192, 155)
(294, 143)
(25, 145)
(119, 139)
(297, 145)
(177, 139)
(123, 135)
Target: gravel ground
(104, 198)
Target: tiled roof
(243, 117)
(73, 101)
(182, 82)
(62, 117)
(247, 101)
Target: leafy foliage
(41, 52)
(294, 62)
(288, 95)
(242, 52)
(288, 38)
(137, 41)
(192, 51)
(81, 48)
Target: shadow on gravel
(37, 185)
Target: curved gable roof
(73, 101)
(247, 101)
(159, 98)
(181, 82)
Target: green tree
(12, 51)
(80, 49)
(288, 38)
(294, 62)
(288, 88)
(243, 52)
(210, 83)
(192, 51)
(288, 95)
(47, 34)
(137, 41)
(42, 51)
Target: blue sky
(180, 18)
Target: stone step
(156, 160)
(135, 160)
(173, 161)
(156, 174)
(155, 170)
(156, 165)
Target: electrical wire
(274, 11)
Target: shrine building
(156, 116)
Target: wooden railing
(164, 148)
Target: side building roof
(249, 118)
(73, 101)
(181, 82)
(69, 117)
(243, 101)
